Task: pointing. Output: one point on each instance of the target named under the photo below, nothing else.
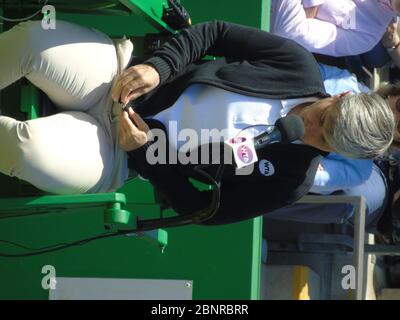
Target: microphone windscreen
(291, 128)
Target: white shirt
(341, 27)
(202, 109)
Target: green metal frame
(223, 261)
(56, 203)
(115, 217)
(150, 10)
(30, 101)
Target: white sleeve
(326, 38)
(335, 35)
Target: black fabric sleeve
(180, 193)
(239, 201)
(222, 39)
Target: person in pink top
(334, 27)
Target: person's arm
(238, 201)
(216, 38)
(179, 192)
(338, 36)
(134, 138)
(339, 173)
(326, 38)
(391, 41)
(221, 39)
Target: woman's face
(316, 118)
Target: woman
(343, 176)
(76, 152)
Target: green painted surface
(151, 10)
(115, 26)
(61, 200)
(237, 11)
(223, 262)
(218, 259)
(29, 101)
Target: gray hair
(363, 126)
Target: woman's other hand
(133, 131)
(135, 82)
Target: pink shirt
(341, 27)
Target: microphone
(287, 129)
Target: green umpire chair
(116, 218)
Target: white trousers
(76, 150)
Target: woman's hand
(135, 82)
(133, 131)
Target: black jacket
(254, 63)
